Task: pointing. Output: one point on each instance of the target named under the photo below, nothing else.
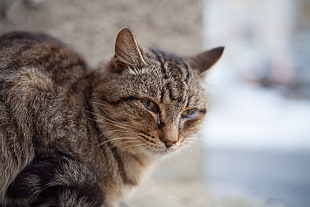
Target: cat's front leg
(57, 181)
(78, 197)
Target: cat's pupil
(150, 105)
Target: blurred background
(258, 128)
(254, 148)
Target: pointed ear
(127, 50)
(205, 60)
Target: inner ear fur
(127, 50)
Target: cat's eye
(190, 113)
(150, 105)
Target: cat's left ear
(205, 60)
(127, 50)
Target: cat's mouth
(162, 151)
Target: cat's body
(72, 136)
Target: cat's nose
(170, 135)
(168, 143)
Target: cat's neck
(135, 166)
(130, 166)
(123, 170)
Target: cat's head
(150, 101)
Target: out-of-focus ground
(278, 176)
(190, 193)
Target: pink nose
(168, 143)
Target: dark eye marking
(150, 105)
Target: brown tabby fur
(73, 136)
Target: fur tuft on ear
(127, 50)
(205, 60)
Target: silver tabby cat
(74, 136)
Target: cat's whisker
(117, 131)
(108, 115)
(110, 119)
(135, 145)
(131, 141)
(123, 129)
(114, 123)
(118, 138)
(120, 129)
(98, 115)
(124, 132)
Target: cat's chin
(159, 153)
(151, 151)
(154, 153)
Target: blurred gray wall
(90, 26)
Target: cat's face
(149, 102)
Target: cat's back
(38, 105)
(40, 53)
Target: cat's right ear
(205, 60)
(127, 51)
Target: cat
(71, 135)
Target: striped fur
(73, 136)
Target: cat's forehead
(163, 57)
(170, 65)
(177, 79)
